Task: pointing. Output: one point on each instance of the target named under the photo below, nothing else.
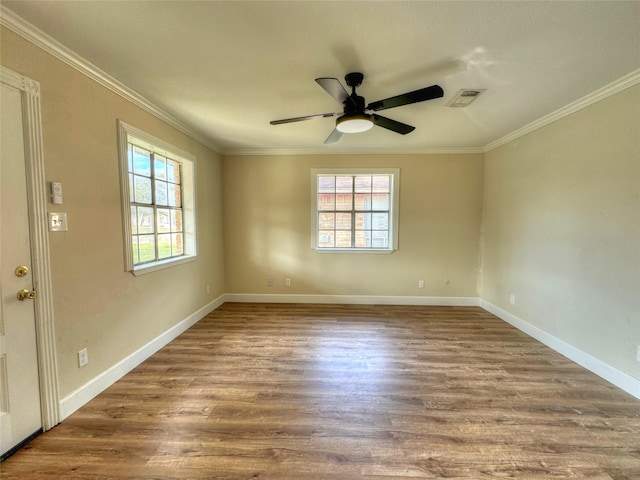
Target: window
(354, 210)
(158, 204)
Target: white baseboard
(352, 299)
(81, 396)
(600, 368)
(78, 398)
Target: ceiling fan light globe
(354, 123)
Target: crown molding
(608, 90)
(40, 39)
(36, 36)
(358, 151)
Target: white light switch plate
(58, 222)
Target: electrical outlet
(638, 354)
(208, 289)
(512, 299)
(420, 283)
(270, 282)
(83, 357)
(287, 282)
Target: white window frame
(394, 207)
(126, 134)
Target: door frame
(40, 260)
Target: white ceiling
(226, 68)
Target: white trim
(352, 299)
(37, 195)
(84, 394)
(36, 36)
(600, 368)
(614, 87)
(98, 384)
(128, 134)
(324, 150)
(146, 268)
(394, 207)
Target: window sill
(162, 264)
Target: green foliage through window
(155, 189)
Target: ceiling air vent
(464, 97)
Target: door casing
(40, 260)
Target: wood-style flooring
(346, 392)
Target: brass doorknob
(22, 270)
(25, 294)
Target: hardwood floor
(346, 392)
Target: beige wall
(96, 303)
(267, 228)
(562, 229)
(561, 226)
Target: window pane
(363, 221)
(381, 184)
(343, 239)
(134, 220)
(141, 161)
(142, 188)
(160, 167)
(379, 239)
(344, 201)
(363, 202)
(157, 219)
(343, 221)
(173, 171)
(164, 221)
(326, 184)
(326, 201)
(145, 220)
(147, 248)
(174, 195)
(354, 211)
(164, 245)
(326, 238)
(344, 184)
(134, 248)
(380, 221)
(161, 193)
(380, 202)
(326, 220)
(177, 247)
(363, 184)
(176, 220)
(363, 239)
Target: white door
(20, 414)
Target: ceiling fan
(355, 117)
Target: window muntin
(354, 211)
(158, 202)
(156, 205)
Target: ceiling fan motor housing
(354, 104)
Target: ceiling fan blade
(300, 119)
(334, 88)
(334, 137)
(393, 125)
(428, 93)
